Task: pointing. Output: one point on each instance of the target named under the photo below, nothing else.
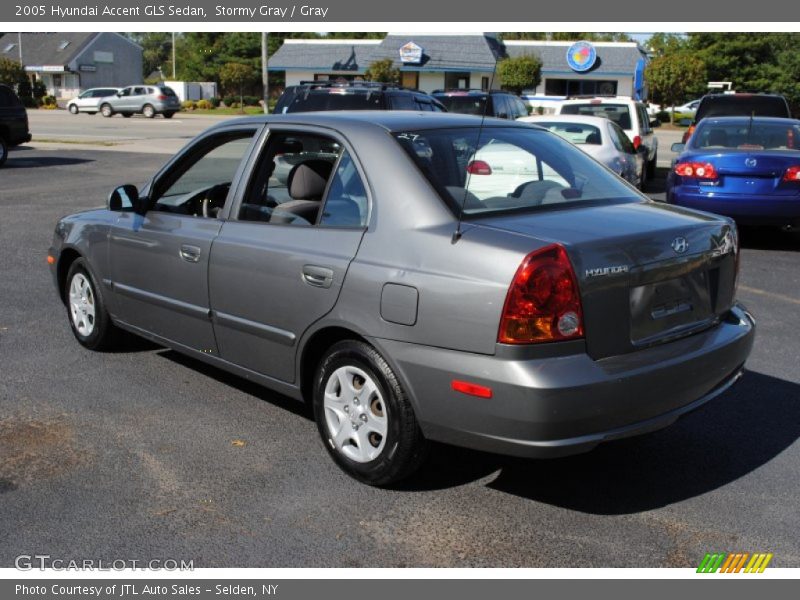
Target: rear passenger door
(281, 258)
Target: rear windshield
(470, 105)
(619, 113)
(509, 168)
(577, 133)
(746, 134)
(725, 105)
(335, 99)
(167, 91)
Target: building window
(456, 81)
(484, 83)
(103, 57)
(410, 79)
(579, 87)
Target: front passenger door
(159, 261)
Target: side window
(500, 106)
(625, 144)
(126, 92)
(199, 184)
(644, 120)
(305, 179)
(346, 201)
(402, 102)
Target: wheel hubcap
(355, 414)
(82, 305)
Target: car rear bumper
(745, 209)
(563, 405)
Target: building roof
(463, 52)
(323, 55)
(617, 58)
(45, 48)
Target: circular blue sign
(581, 56)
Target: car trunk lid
(647, 273)
(747, 173)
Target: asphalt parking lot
(146, 454)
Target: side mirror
(678, 147)
(126, 198)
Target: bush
(188, 105)
(214, 101)
(251, 100)
(39, 90)
(229, 100)
(204, 105)
(49, 102)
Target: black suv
(739, 105)
(312, 96)
(494, 103)
(13, 122)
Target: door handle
(190, 253)
(318, 276)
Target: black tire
(73, 109)
(127, 115)
(168, 115)
(104, 334)
(405, 448)
(3, 151)
(651, 166)
(148, 111)
(106, 110)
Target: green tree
(11, 73)
(234, 76)
(661, 44)
(567, 36)
(520, 72)
(384, 71)
(156, 51)
(669, 77)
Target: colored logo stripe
(733, 563)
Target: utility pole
(264, 72)
(173, 56)
(19, 44)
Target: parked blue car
(747, 168)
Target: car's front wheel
(3, 151)
(106, 110)
(73, 109)
(148, 111)
(364, 416)
(168, 115)
(86, 309)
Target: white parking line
(759, 292)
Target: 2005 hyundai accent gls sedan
(341, 259)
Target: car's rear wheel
(168, 115)
(148, 111)
(3, 151)
(86, 309)
(364, 416)
(106, 110)
(73, 109)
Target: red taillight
(792, 174)
(543, 304)
(479, 167)
(471, 389)
(637, 141)
(696, 170)
(161, 97)
(688, 133)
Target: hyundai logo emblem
(680, 245)
(750, 162)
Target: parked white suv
(631, 115)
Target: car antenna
(750, 127)
(457, 233)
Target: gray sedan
(539, 316)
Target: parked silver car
(562, 311)
(148, 100)
(600, 138)
(89, 100)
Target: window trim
(233, 209)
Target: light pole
(264, 72)
(173, 56)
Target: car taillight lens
(696, 170)
(479, 167)
(792, 174)
(543, 303)
(161, 97)
(688, 133)
(637, 141)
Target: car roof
(746, 119)
(390, 120)
(601, 100)
(588, 120)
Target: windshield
(619, 113)
(746, 134)
(508, 168)
(577, 133)
(470, 105)
(725, 105)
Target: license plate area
(671, 307)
